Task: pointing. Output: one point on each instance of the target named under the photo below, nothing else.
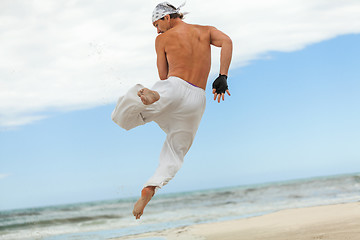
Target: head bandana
(163, 9)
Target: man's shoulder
(201, 27)
(160, 39)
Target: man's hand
(219, 87)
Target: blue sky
(293, 113)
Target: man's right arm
(161, 61)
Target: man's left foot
(148, 97)
(146, 194)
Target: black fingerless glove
(220, 84)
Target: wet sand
(331, 222)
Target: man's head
(162, 15)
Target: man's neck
(175, 22)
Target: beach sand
(331, 222)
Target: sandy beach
(331, 222)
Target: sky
(293, 113)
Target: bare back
(188, 52)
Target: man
(176, 102)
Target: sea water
(110, 219)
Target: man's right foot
(148, 97)
(146, 194)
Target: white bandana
(163, 9)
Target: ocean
(111, 219)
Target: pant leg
(130, 111)
(180, 123)
(172, 154)
(127, 113)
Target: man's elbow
(163, 76)
(228, 41)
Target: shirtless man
(178, 101)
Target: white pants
(178, 112)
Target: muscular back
(187, 53)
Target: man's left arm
(220, 39)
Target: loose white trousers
(178, 113)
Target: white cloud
(2, 175)
(68, 55)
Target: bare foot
(148, 97)
(146, 194)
